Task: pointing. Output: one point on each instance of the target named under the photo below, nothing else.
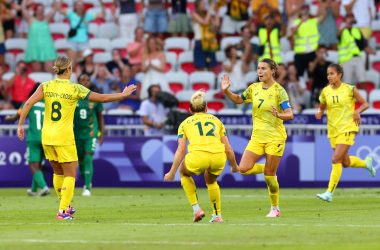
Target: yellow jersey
(61, 97)
(204, 133)
(267, 127)
(340, 104)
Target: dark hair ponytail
(338, 68)
(273, 66)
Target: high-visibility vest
(274, 43)
(307, 36)
(347, 47)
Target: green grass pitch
(137, 218)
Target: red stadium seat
(176, 87)
(202, 80)
(185, 105)
(215, 105)
(376, 66)
(376, 104)
(367, 86)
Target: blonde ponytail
(198, 102)
(61, 64)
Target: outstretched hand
(20, 133)
(129, 90)
(225, 84)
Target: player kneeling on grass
(207, 151)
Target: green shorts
(34, 151)
(85, 146)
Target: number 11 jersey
(266, 127)
(61, 97)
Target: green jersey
(36, 120)
(85, 119)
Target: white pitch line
(72, 223)
(142, 242)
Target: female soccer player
(343, 121)
(34, 149)
(61, 97)
(207, 151)
(88, 127)
(270, 107)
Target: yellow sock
(67, 192)
(214, 194)
(57, 183)
(356, 162)
(335, 175)
(258, 168)
(273, 189)
(188, 186)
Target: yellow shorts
(272, 148)
(61, 154)
(197, 162)
(367, 32)
(345, 138)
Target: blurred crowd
(149, 38)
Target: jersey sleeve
(247, 94)
(283, 99)
(181, 131)
(322, 98)
(81, 92)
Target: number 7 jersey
(266, 127)
(340, 104)
(61, 97)
(204, 133)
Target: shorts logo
(367, 151)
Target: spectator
(87, 64)
(4, 104)
(156, 19)
(103, 80)
(135, 50)
(2, 39)
(179, 23)
(128, 19)
(40, 50)
(269, 35)
(298, 95)
(282, 78)
(154, 65)
(236, 17)
(131, 102)
(116, 64)
(351, 43)
(261, 8)
(79, 20)
(292, 10)
(328, 11)
(248, 47)
(7, 19)
(235, 68)
(20, 85)
(306, 36)
(318, 74)
(205, 40)
(363, 11)
(153, 113)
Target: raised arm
(225, 85)
(51, 13)
(178, 159)
(36, 97)
(96, 97)
(60, 8)
(25, 12)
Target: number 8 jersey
(203, 131)
(266, 127)
(340, 104)
(61, 97)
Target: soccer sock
(335, 175)
(258, 168)
(273, 190)
(188, 186)
(88, 170)
(357, 162)
(34, 185)
(214, 194)
(57, 183)
(40, 179)
(67, 192)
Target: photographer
(350, 47)
(20, 85)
